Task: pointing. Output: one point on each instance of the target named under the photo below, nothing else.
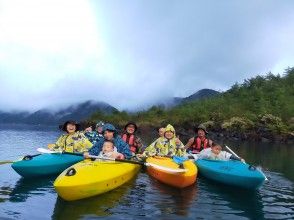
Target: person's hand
(120, 156)
(178, 142)
(86, 155)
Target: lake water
(144, 197)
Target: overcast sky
(133, 53)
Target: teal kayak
(45, 164)
(231, 172)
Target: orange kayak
(177, 179)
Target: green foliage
(265, 99)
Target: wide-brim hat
(201, 127)
(131, 123)
(78, 126)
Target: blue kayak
(45, 164)
(231, 172)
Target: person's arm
(150, 150)
(189, 143)
(123, 148)
(96, 148)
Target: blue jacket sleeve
(95, 150)
(123, 147)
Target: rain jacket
(93, 136)
(76, 142)
(165, 147)
(121, 146)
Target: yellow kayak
(90, 178)
(176, 179)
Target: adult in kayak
(199, 142)
(96, 135)
(168, 145)
(110, 134)
(73, 140)
(215, 153)
(131, 138)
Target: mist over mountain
(85, 109)
(76, 112)
(199, 95)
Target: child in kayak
(108, 150)
(94, 135)
(215, 153)
(168, 145)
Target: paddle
(27, 157)
(229, 149)
(171, 170)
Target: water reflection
(278, 197)
(232, 202)
(95, 206)
(180, 200)
(25, 188)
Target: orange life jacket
(130, 140)
(198, 145)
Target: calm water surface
(144, 197)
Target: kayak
(231, 172)
(175, 179)
(45, 164)
(90, 178)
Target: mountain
(76, 112)
(199, 95)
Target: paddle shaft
(43, 150)
(239, 157)
(117, 160)
(27, 157)
(229, 149)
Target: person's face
(216, 150)
(108, 135)
(200, 133)
(88, 129)
(107, 147)
(168, 134)
(71, 128)
(99, 129)
(161, 132)
(130, 129)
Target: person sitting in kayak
(161, 131)
(169, 145)
(108, 150)
(215, 153)
(96, 135)
(110, 134)
(73, 140)
(199, 142)
(129, 136)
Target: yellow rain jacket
(76, 142)
(165, 147)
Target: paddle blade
(179, 160)
(170, 170)
(46, 151)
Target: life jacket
(130, 140)
(198, 145)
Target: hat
(201, 127)
(99, 124)
(78, 126)
(131, 123)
